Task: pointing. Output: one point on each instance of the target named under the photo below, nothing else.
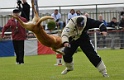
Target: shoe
(66, 71)
(17, 63)
(105, 47)
(21, 63)
(105, 75)
(112, 48)
(121, 48)
(69, 67)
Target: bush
(51, 25)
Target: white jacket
(70, 29)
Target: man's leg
(61, 24)
(93, 57)
(102, 69)
(15, 45)
(68, 59)
(21, 51)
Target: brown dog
(55, 42)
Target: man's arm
(91, 23)
(5, 28)
(66, 33)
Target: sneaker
(105, 47)
(66, 71)
(17, 63)
(105, 75)
(121, 48)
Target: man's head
(86, 14)
(24, 1)
(114, 19)
(100, 18)
(80, 21)
(56, 11)
(16, 12)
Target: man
(18, 36)
(75, 34)
(24, 8)
(99, 35)
(114, 24)
(57, 17)
(121, 24)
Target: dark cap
(80, 21)
(16, 10)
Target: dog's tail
(43, 19)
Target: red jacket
(21, 32)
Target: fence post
(95, 39)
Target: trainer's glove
(67, 44)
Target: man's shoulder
(11, 19)
(22, 18)
(52, 14)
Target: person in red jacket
(18, 35)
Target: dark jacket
(18, 32)
(25, 10)
(113, 24)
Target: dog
(55, 42)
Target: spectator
(114, 24)
(78, 12)
(75, 35)
(121, 24)
(18, 35)
(1, 28)
(24, 8)
(57, 17)
(122, 13)
(99, 35)
(71, 14)
(86, 14)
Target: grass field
(42, 67)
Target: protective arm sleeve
(65, 35)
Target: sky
(12, 3)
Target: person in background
(78, 12)
(74, 35)
(87, 15)
(1, 28)
(57, 17)
(121, 24)
(24, 7)
(121, 13)
(100, 18)
(71, 14)
(18, 35)
(114, 24)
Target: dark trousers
(122, 39)
(87, 48)
(19, 50)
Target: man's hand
(104, 33)
(67, 45)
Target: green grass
(42, 67)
